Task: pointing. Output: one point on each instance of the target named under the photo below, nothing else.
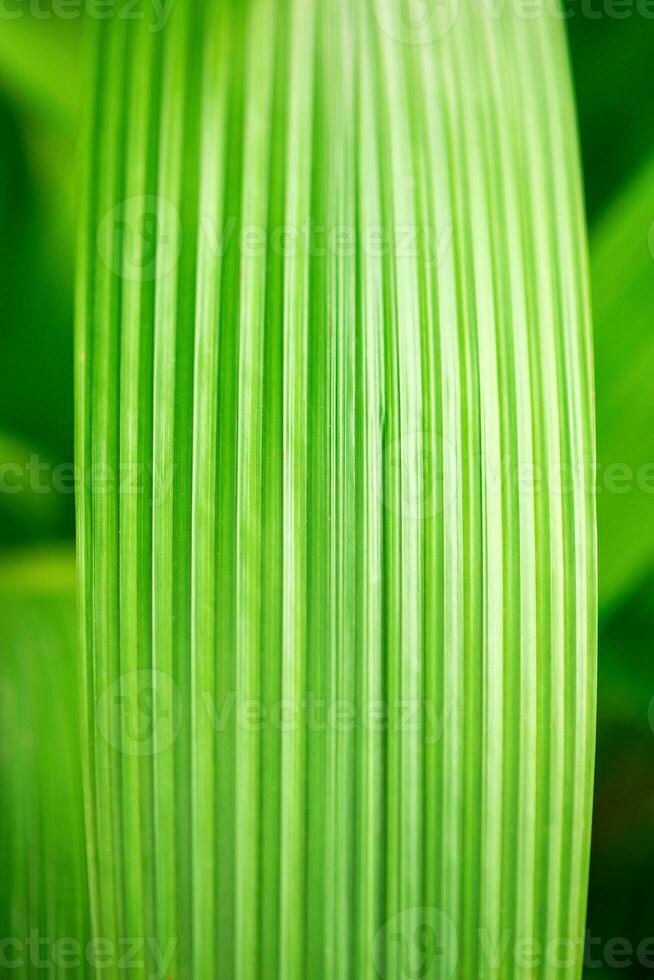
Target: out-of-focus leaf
(40, 61)
(44, 902)
(612, 61)
(40, 68)
(622, 251)
(32, 493)
(622, 861)
(36, 402)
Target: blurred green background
(612, 50)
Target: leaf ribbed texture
(332, 441)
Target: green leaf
(36, 342)
(623, 294)
(30, 507)
(39, 62)
(611, 64)
(44, 919)
(341, 637)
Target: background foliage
(40, 76)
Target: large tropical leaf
(336, 539)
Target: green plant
(623, 290)
(44, 912)
(319, 434)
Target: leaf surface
(333, 312)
